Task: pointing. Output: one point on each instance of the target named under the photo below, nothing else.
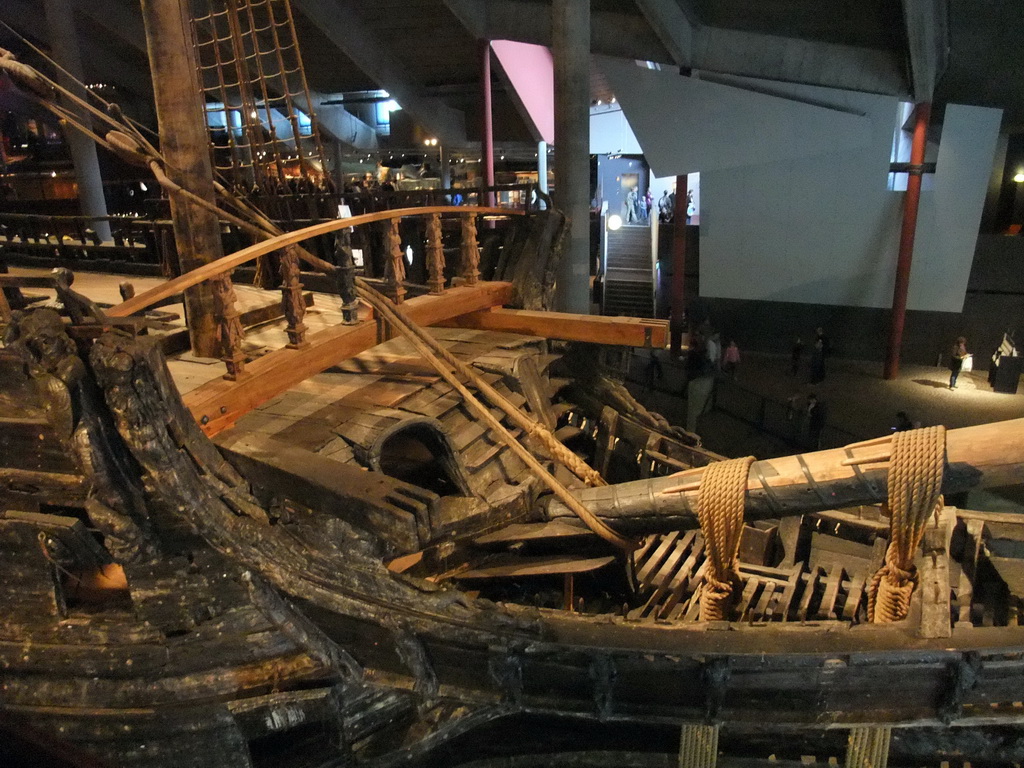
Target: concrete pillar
(445, 170)
(486, 121)
(338, 175)
(185, 145)
(570, 33)
(542, 170)
(60, 19)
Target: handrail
(236, 259)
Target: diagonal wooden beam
(596, 329)
(219, 403)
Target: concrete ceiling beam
(473, 15)
(99, 62)
(673, 27)
(789, 59)
(927, 26)
(340, 22)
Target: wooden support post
(698, 746)
(470, 264)
(186, 146)
(435, 254)
(230, 333)
(394, 273)
(292, 302)
(868, 747)
(933, 576)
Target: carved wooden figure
(435, 254)
(470, 265)
(230, 330)
(345, 276)
(394, 274)
(291, 299)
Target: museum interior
(372, 374)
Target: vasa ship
(385, 545)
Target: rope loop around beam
(720, 504)
(916, 469)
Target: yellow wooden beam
(621, 331)
(218, 404)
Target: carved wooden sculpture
(394, 274)
(470, 266)
(435, 254)
(291, 298)
(230, 331)
(345, 276)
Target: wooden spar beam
(987, 455)
(624, 331)
(220, 402)
(146, 299)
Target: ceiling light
(1019, 177)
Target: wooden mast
(184, 143)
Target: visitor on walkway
(797, 354)
(700, 379)
(665, 208)
(956, 360)
(816, 414)
(731, 359)
(818, 361)
(903, 422)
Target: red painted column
(906, 255)
(487, 124)
(677, 304)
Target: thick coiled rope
(916, 466)
(720, 503)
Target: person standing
(664, 208)
(816, 414)
(818, 361)
(797, 354)
(731, 359)
(631, 206)
(956, 360)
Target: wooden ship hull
(288, 599)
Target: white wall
(795, 205)
(610, 132)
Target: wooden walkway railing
(342, 270)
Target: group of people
(667, 206)
(820, 350)
(705, 361)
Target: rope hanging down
(915, 494)
(720, 503)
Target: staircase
(629, 279)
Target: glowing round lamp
(1019, 177)
(614, 222)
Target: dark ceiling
(431, 54)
